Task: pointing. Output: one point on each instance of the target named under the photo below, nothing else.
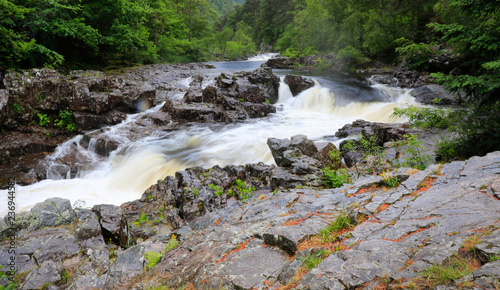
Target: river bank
(264, 203)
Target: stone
(113, 223)
(298, 84)
(287, 237)
(281, 63)
(88, 121)
(4, 100)
(254, 266)
(51, 213)
(354, 129)
(278, 147)
(325, 154)
(128, 264)
(433, 95)
(49, 272)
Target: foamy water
(142, 160)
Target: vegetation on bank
(76, 34)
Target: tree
(475, 35)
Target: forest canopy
(80, 33)
(83, 33)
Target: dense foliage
(79, 33)
(82, 33)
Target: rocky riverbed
(254, 226)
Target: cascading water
(142, 158)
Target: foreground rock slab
(203, 237)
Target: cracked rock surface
(262, 242)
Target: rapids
(140, 161)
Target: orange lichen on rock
(409, 234)
(241, 247)
(382, 208)
(296, 222)
(425, 184)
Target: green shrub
(477, 133)
(4, 277)
(217, 189)
(451, 270)
(65, 121)
(414, 147)
(44, 119)
(342, 222)
(351, 57)
(152, 258)
(427, 117)
(143, 218)
(390, 180)
(17, 108)
(416, 55)
(244, 191)
(372, 154)
(334, 178)
(172, 243)
(313, 260)
(322, 64)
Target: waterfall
(145, 155)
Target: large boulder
(281, 63)
(89, 121)
(268, 83)
(298, 84)
(434, 95)
(113, 223)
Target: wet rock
(326, 155)
(267, 82)
(51, 213)
(113, 223)
(128, 264)
(445, 62)
(278, 148)
(403, 78)
(281, 63)
(258, 110)
(49, 272)
(298, 84)
(88, 224)
(139, 96)
(284, 179)
(101, 144)
(88, 121)
(194, 112)
(194, 95)
(433, 95)
(285, 152)
(388, 132)
(356, 128)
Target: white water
(148, 155)
(262, 57)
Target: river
(319, 112)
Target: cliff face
(263, 227)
